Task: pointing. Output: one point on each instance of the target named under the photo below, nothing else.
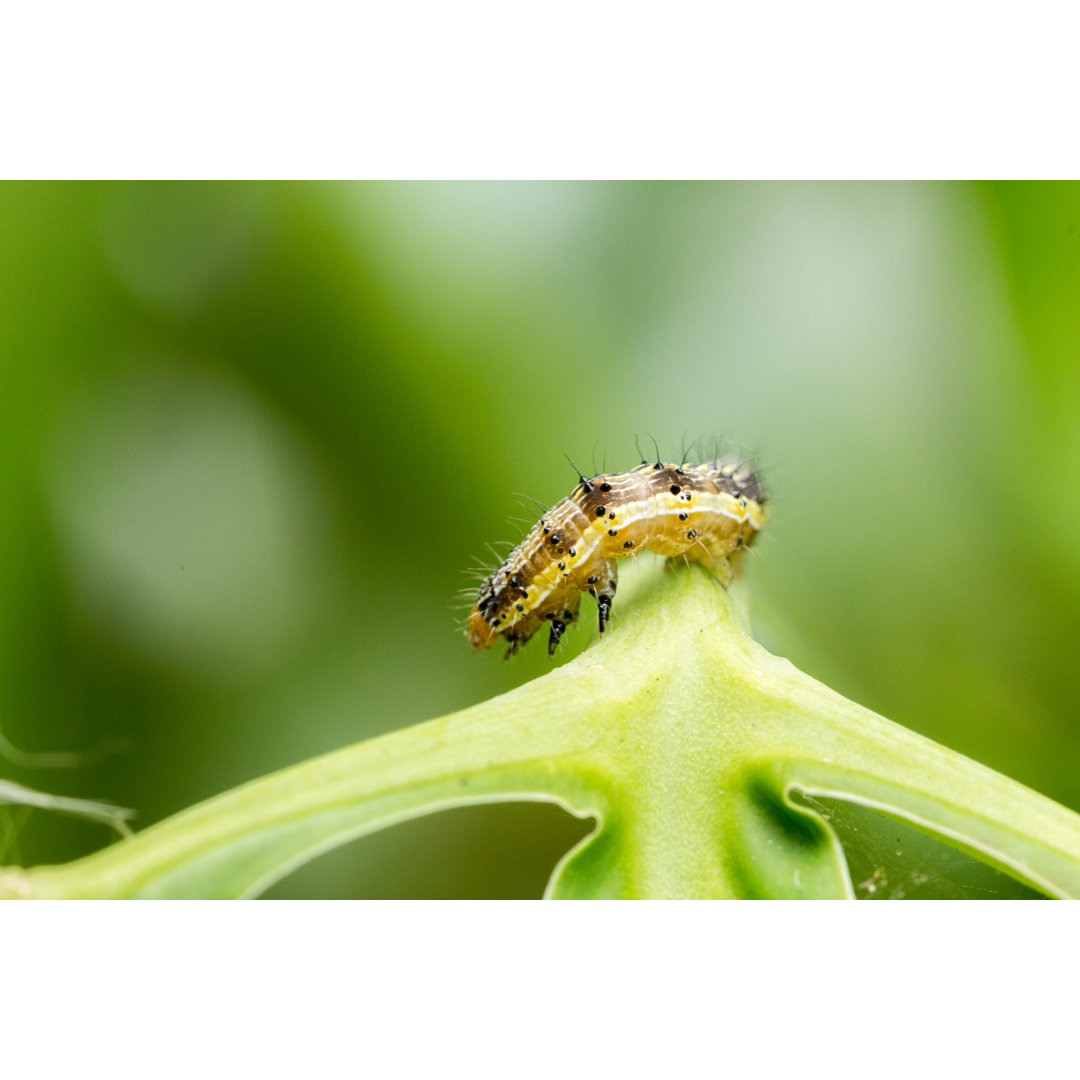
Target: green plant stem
(686, 740)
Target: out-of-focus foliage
(250, 435)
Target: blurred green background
(251, 434)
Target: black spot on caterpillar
(706, 513)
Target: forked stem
(685, 739)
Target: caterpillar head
(481, 632)
(491, 613)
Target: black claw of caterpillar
(604, 605)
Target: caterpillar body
(705, 513)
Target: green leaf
(712, 768)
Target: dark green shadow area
(890, 860)
(505, 851)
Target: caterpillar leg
(723, 570)
(720, 563)
(563, 618)
(602, 585)
(515, 642)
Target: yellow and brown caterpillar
(704, 513)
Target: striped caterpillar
(706, 513)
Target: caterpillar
(706, 513)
